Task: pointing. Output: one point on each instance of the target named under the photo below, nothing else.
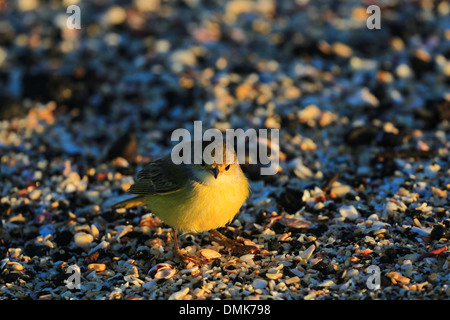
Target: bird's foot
(227, 242)
(236, 246)
(187, 258)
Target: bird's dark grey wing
(160, 177)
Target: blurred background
(136, 70)
(149, 67)
(363, 115)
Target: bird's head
(224, 165)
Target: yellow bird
(192, 198)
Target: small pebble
(349, 212)
(274, 276)
(35, 194)
(179, 294)
(162, 271)
(83, 240)
(292, 280)
(307, 253)
(98, 267)
(341, 190)
(248, 258)
(209, 253)
(15, 266)
(259, 283)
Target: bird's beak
(215, 172)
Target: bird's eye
(227, 167)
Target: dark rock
(274, 245)
(11, 108)
(320, 230)
(361, 135)
(5, 209)
(32, 250)
(143, 254)
(390, 140)
(439, 231)
(420, 65)
(11, 277)
(61, 255)
(433, 112)
(125, 146)
(321, 266)
(63, 238)
(291, 200)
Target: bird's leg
(186, 258)
(227, 242)
(237, 246)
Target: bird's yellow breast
(198, 207)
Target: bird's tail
(130, 203)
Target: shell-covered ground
(361, 197)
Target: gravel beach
(358, 210)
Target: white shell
(162, 271)
(149, 284)
(100, 246)
(35, 194)
(82, 239)
(274, 276)
(349, 212)
(259, 283)
(421, 231)
(307, 253)
(180, 294)
(247, 258)
(341, 190)
(99, 267)
(327, 283)
(209, 254)
(94, 231)
(295, 223)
